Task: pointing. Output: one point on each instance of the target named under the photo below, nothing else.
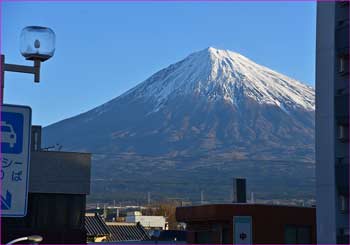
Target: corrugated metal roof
(127, 232)
(95, 226)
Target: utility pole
(104, 212)
(2, 78)
(149, 198)
(117, 214)
(202, 197)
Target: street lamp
(37, 43)
(33, 239)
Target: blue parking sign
(15, 159)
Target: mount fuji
(214, 104)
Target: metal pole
(35, 69)
(21, 68)
(2, 78)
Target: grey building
(332, 122)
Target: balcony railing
(342, 36)
(342, 175)
(343, 236)
(343, 133)
(341, 107)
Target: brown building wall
(268, 221)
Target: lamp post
(37, 44)
(33, 238)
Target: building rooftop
(126, 232)
(95, 226)
(250, 204)
(114, 231)
(226, 211)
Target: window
(343, 132)
(203, 237)
(343, 63)
(226, 236)
(304, 235)
(343, 236)
(344, 204)
(297, 234)
(343, 3)
(290, 235)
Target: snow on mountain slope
(222, 74)
(212, 101)
(211, 116)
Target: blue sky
(104, 49)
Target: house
(96, 228)
(126, 232)
(149, 222)
(117, 232)
(244, 223)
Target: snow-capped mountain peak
(225, 75)
(211, 115)
(214, 102)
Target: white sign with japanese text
(15, 158)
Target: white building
(148, 222)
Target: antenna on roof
(252, 197)
(202, 197)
